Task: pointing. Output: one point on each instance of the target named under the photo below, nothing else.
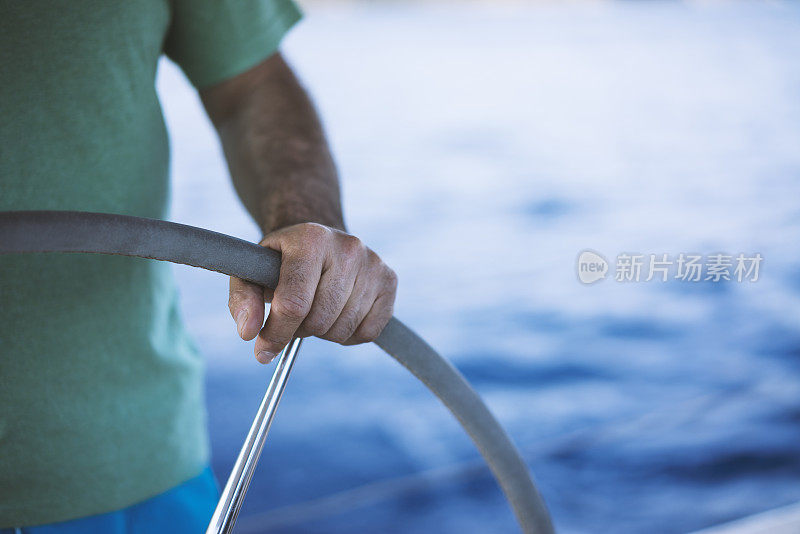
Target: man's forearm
(331, 285)
(276, 149)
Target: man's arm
(331, 285)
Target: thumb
(246, 304)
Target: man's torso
(100, 388)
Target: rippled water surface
(480, 150)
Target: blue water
(481, 148)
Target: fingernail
(265, 356)
(241, 320)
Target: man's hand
(330, 286)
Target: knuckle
(272, 340)
(367, 333)
(292, 306)
(351, 245)
(314, 232)
(391, 279)
(315, 325)
(373, 260)
(351, 325)
(384, 308)
(341, 332)
(303, 332)
(338, 337)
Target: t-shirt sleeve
(213, 40)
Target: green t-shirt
(101, 400)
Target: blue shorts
(185, 509)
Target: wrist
(301, 199)
(277, 221)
